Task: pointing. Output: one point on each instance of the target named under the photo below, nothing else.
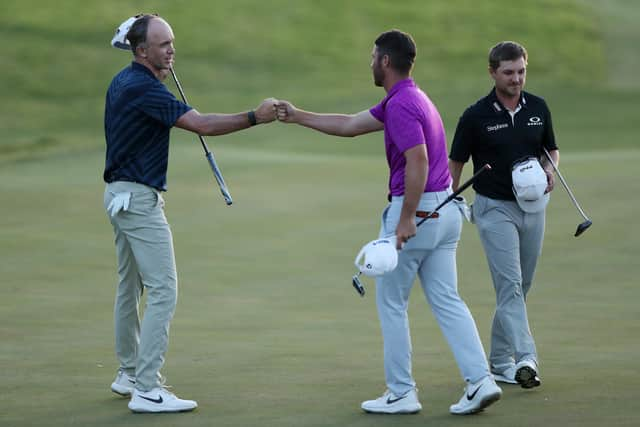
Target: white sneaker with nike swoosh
(389, 403)
(159, 400)
(477, 396)
(123, 384)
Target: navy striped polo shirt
(139, 114)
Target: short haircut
(506, 51)
(400, 48)
(137, 34)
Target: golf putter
(587, 222)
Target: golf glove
(465, 210)
(120, 202)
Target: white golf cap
(529, 185)
(119, 40)
(380, 257)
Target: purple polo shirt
(410, 118)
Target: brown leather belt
(427, 214)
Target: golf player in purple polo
(419, 180)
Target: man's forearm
(213, 123)
(331, 124)
(222, 124)
(414, 183)
(415, 178)
(455, 169)
(555, 156)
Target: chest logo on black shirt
(497, 127)
(535, 121)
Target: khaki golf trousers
(146, 262)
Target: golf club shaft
(565, 185)
(212, 161)
(457, 192)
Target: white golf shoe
(504, 373)
(159, 400)
(389, 403)
(123, 384)
(527, 373)
(477, 396)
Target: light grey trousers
(512, 241)
(431, 255)
(144, 247)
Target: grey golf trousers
(431, 256)
(512, 241)
(144, 247)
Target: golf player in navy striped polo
(139, 114)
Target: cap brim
(120, 45)
(533, 206)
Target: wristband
(251, 115)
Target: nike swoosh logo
(132, 381)
(158, 400)
(390, 400)
(472, 395)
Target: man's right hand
(285, 111)
(266, 111)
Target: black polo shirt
(487, 133)
(139, 114)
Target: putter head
(582, 227)
(357, 285)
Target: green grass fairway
(268, 331)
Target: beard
(378, 77)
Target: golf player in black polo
(139, 114)
(508, 129)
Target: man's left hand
(551, 180)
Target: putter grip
(218, 175)
(471, 180)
